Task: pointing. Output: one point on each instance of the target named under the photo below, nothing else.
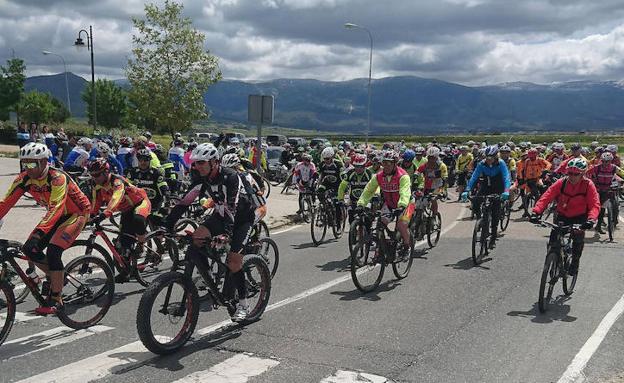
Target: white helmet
(606, 156)
(612, 148)
(205, 152)
(84, 141)
(230, 160)
(34, 151)
(328, 152)
(558, 146)
(102, 148)
(433, 151)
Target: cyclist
(464, 159)
(117, 194)
(602, 176)
(176, 156)
(420, 158)
(102, 150)
(394, 184)
(330, 171)
(408, 163)
(613, 149)
(125, 155)
(304, 173)
(576, 151)
(67, 213)
(577, 203)
(355, 180)
(233, 215)
(79, 155)
(375, 162)
(496, 180)
(557, 156)
(435, 173)
(530, 172)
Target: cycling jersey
(556, 159)
(119, 195)
(330, 174)
(124, 156)
(153, 182)
(602, 175)
(409, 168)
(356, 184)
(77, 158)
(435, 175)
(491, 172)
(395, 189)
(573, 201)
(303, 172)
(418, 162)
(532, 169)
(562, 168)
(176, 156)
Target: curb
(284, 221)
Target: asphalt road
(447, 322)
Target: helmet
(575, 146)
(234, 141)
(205, 152)
(98, 166)
(419, 150)
(505, 149)
(159, 149)
(102, 148)
(607, 156)
(84, 141)
(300, 149)
(594, 144)
(148, 134)
(463, 148)
(145, 153)
(612, 148)
(61, 136)
(34, 151)
(125, 141)
(491, 151)
(532, 153)
(599, 149)
(390, 155)
(510, 144)
(230, 160)
(433, 151)
(359, 160)
(523, 145)
(178, 141)
(470, 143)
(286, 146)
(307, 157)
(578, 164)
(558, 146)
(192, 145)
(328, 152)
(409, 155)
(177, 135)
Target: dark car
(276, 139)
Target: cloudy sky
(471, 42)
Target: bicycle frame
(99, 231)
(7, 257)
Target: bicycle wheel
(267, 249)
(157, 249)
(7, 310)
(307, 207)
(478, 247)
(167, 313)
(610, 220)
(357, 230)
(434, 230)
(267, 187)
(258, 281)
(263, 229)
(568, 281)
(20, 290)
(318, 225)
(549, 279)
(339, 226)
(88, 291)
(402, 264)
(287, 184)
(504, 221)
(83, 247)
(367, 265)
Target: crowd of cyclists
(80, 180)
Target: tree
(36, 107)
(111, 104)
(170, 71)
(12, 80)
(61, 113)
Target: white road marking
(47, 339)
(237, 369)
(354, 377)
(132, 354)
(20, 317)
(574, 372)
(286, 230)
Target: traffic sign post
(260, 111)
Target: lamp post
(80, 44)
(66, 82)
(370, 71)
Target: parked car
(240, 136)
(276, 139)
(297, 141)
(277, 173)
(205, 137)
(315, 141)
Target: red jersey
(574, 201)
(117, 194)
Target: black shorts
(216, 225)
(461, 179)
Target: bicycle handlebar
(543, 223)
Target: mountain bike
(324, 216)
(557, 263)
(424, 221)
(169, 307)
(88, 289)
(481, 235)
(376, 249)
(505, 210)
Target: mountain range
(403, 104)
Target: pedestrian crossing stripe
(237, 369)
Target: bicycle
(424, 221)
(181, 307)
(557, 262)
(81, 294)
(481, 235)
(324, 215)
(376, 249)
(505, 210)
(136, 263)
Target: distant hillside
(55, 85)
(406, 104)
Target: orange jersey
(528, 169)
(117, 194)
(57, 192)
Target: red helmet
(532, 153)
(359, 160)
(96, 167)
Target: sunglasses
(201, 162)
(30, 165)
(146, 159)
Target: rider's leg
(403, 224)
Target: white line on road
(47, 339)
(574, 372)
(132, 354)
(354, 377)
(286, 230)
(21, 317)
(237, 369)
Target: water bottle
(45, 288)
(32, 274)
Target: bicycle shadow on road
(337, 265)
(556, 311)
(308, 245)
(468, 264)
(374, 296)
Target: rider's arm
(546, 165)
(162, 184)
(405, 191)
(342, 188)
(154, 161)
(475, 176)
(12, 196)
(619, 171)
(550, 195)
(56, 204)
(119, 190)
(443, 173)
(505, 174)
(368, 192)
(593, 202)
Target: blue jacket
(490, 171)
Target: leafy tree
(170, 70)
(61, 113)
(37, 107)
(111, 103)
(12, 80)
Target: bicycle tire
(144, 323)
(504, 221)
(610, 219)
(338, 228)
(263, 231)
(549, 277)
(107, 292)
(434, 230)
(568, 287)
(255, 286)
(7, 300)
(287, 184)
(477, 245)
(315, 215)
(267, 187)
(357, 264)
(307, 207)
(405, 262)
(354, 230)
(99, 250)
(270, 258)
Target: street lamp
(370, 72)
(79, 43)
(66, 82)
